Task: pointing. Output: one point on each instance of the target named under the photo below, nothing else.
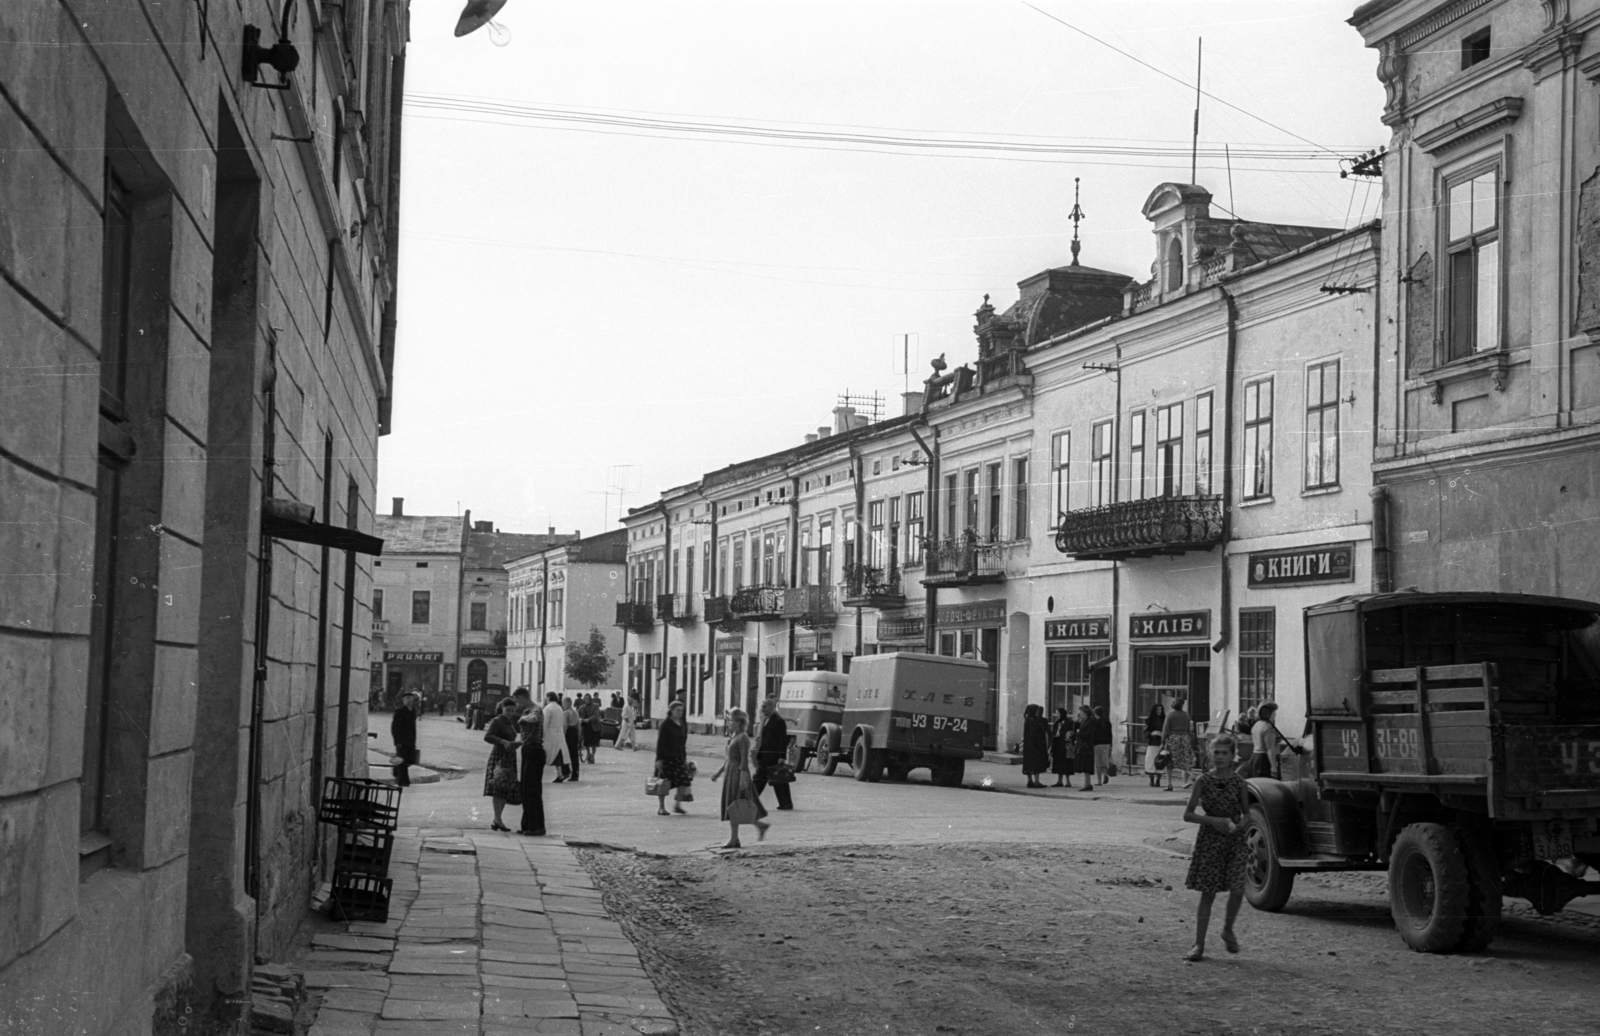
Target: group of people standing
(564, 733)
(748, 766)
(1066, 746)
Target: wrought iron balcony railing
(719, 613)
(677, 609)
(868, 586)
(758, 603)
(635, 616)
(963, 561)
(1141, 528)
(810, 606)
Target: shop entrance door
(989, 655)
(477, 677)
(1159, 675)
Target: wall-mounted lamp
(281, 55)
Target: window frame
(425, 599)
(1204, 403)
(1251, 442)
(1060, 476)
(1103, 463)
(1019, 498)
(994, 520)
(1319, 413)
(970, 495)
(478, 616)
(1258, 652)
(1136, 454)
(916, 524)
(1473, 242)
(1169, 450)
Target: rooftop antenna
(1233, 209)
(1194, 147)
(906, 348)
(1076, 215)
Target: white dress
(555, 732)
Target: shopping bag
(742, 811)
(656, 786)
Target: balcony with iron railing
(758, 603)
(719, 613)
(678, 609)
(635, 616)
(810, 606)
(869, 586)
(963, 561)
(1141, 528)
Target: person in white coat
(555, 735)
(626, 730)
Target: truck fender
(861, 731)
(828, 738)
(1278, 798)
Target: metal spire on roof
(1075, 215)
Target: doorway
(477, 678)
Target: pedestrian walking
(403, 729)
(1102, 745)
(738, 787)
(1152, 742)
(672, 761)
(1083, 746)
(530, 731)
(1264, 738)
(555, 740)
(591, 725)
(625, 728)
(1218, 862)
(501, 782)
(1035, 745)
(1177, 737)
(572, 734)
(1061, 759)
(771, 748)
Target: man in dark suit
(770, 750)
(403, 729)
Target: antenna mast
(1076, 215)
(1194, 147)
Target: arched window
(1174, 263)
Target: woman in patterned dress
(1177, 737)
(739, 784)
(500, 780)
(1219, 850)
(672, 761)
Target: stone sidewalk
(489, 934)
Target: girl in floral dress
(1219, 850)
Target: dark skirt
(676, 772)
(591, 736)
(532, 790)
(500, 779)
(1083, 754)
(1061, 758)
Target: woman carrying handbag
(739, 802)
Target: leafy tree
(589, 664)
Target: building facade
(187, 516)
(558, 596)
(1489, 360)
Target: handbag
(656, 786)
(1163, 760)
(780, 773)
(742, 811)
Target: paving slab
(356, 943)
(373, 980)
(432, 1010)
(365, 1001)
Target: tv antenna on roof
(1194, 145)
(868, 405)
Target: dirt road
(1017, 939)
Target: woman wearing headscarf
(1152, 739)
(1061, 757)
(500, 780)
(530, 727)
(1035, 745)
(672, 760)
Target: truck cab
(1455, 742)
(907, 710)
(807, 700)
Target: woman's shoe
(1195, 954)
(1230, 942)
(761, 830)
(497, 826)
(662, 813)
(680, 809)
(733, 845)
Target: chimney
(913, 401)
(823, 431)
(858, 420)
(399, 507)
(843, 418)
(811, 437)
(483, 526)
(552, 532)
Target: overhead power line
(909, 141)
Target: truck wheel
(949, 773)
(1484, 896)
(1429, 888)
(867, 763)
(827, 762)
(1267, 883)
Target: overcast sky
(590, 300)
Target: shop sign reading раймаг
(434, 657)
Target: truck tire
(1267, 883)
(796, 756)
(949, 772)
(1484, 898)
(827, 761)
(1429, 888)
(867, 762)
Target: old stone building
(198, 220)
(1488, 416)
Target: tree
(589, 664)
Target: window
(951, 505)
(993, 525)
(377, 604)
(1174, 264)
(808, 556)
(1475, 48)
(914, 528)
(1060, 476)
(737, 570)
(1169, 450)
(876, 550)
(688, 571)
(1202, 444)
(780, 557)
(1019, 498)
(675, 575)
(893, 536)
(1473, 250)
(1322, 425)
(1136, 455)
(1102, 464)
(705, 566)
(479, 619)
(557, 608)
(825, 552)
(1258, 440)
(1257, 637)
(722, 567)
(420, 602)
(769, 559)
(851, 547)
(971, 498)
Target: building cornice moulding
(1480, 121)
